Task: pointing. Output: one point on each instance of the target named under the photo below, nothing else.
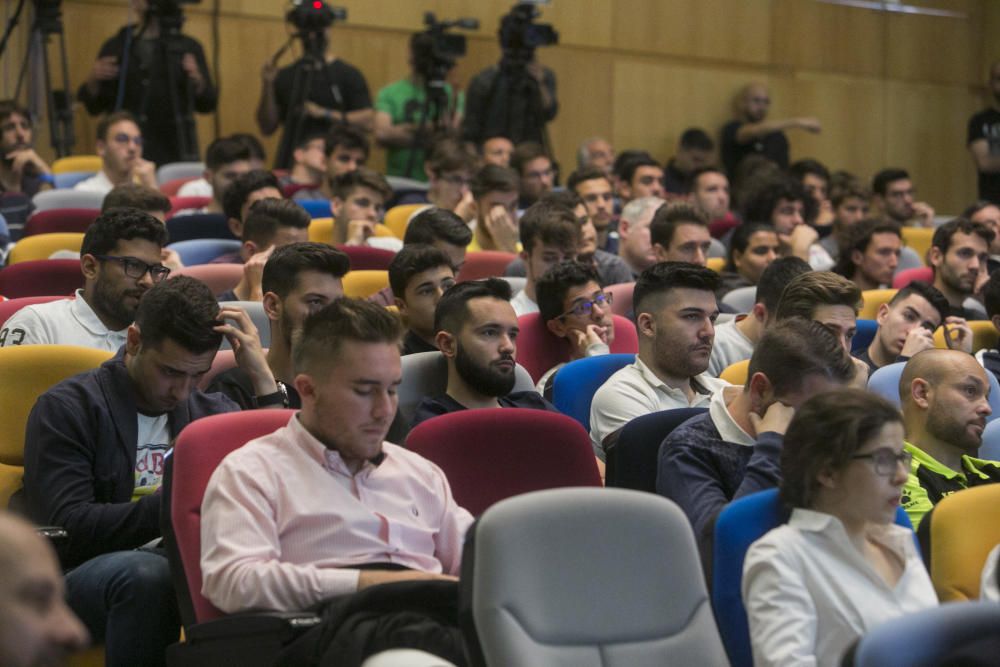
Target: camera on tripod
(520, 35)
(311, 18)
(436, 49)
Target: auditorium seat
(220, 278)
(91, 163)
(321, 230)
(362, 284)
(53, 221)
(50, 199)
(176, 170)
(41, 277)
(178, 204)
(864, 335)
(633, 461)
(203, 251)
(316, 208)
(984, 336)
(11, 306)
(990, 449)
(366, 258)
(907, 276)
(621, 298)
(717, 264)
(199, 226)
(255, 309)
(919, 239)
(484, 264)
(398, 217)
(538, 349)
(42, 246)
(172, 187)
(736, 373)
(69, 179)
(576, 383)
(741, 299)
(872, 299)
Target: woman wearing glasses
(840, 565)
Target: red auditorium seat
(364, 258)
(538, 350)
(907, 276)
(41, 277)
(171, 187)
(11, 306)
(483, 264)
(182, 203)
(61, 220)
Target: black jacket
(79, 461)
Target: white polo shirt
(62, 322)
(523, 304)
(730, 346)
(99, 182)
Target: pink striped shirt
(284, 521)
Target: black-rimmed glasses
(583, 308)
(136, 268)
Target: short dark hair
(437, 224)
(494, 178)
(411, 260)
(134, 195)
(551, 288)
(793, 349)
(740, 240)
(282, 269)
(970, 210)
(931, 294)
(453, 308)
(347, 136)
(565, 198)
(631, 166)
(10, 107)
(252, 143)
(801, 168)
(626, 156)
(524, 153)
(669, 217)
(309, 137)
(104, 125)
(882, 179)
(775, 278)
(226, 150)
(692, 178)
(553, 224)
(695, 138)
(242, 187)
(841, 192)
(585, 174)
(761, 204)
(826, 431)
(344, 319)
(943, 234)
(121, 224)
(662, 277)
(362, 177)
(267, 215)
(858, 237)
(450, 154)
(808, 291)
(182, 309)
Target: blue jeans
(126, 600)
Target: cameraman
(405, 121)
(337, 91)
(516, 98)
(136, 59)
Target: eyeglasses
(136, 268)
(583, 308)
(886, 461)
(123, 138)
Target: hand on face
(917, 340)
(957, 334)
(776, 418)
(145, 172)
(581, 340)
(245, 341)
(359, 231)
(502, 228)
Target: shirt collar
(922, 458)
(891, 535)
(86, 316)
(324, 456)
(654, 381)
(728, 429)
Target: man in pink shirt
(324, 507)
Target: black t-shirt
(773, 146)
(442, 405)
(412, 343)
(986, 125)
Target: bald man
(944, 397)
(751, 132)
(36, 626)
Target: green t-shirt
(404, 102)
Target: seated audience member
(93, 462)
(596, 152)
(675, 312)
(477, 331)
(549, 235)
(450, 169)
(679, 233)
(990, 359)
(869, 254)
(987, 213)
(269, 224)
(733, 449)
(840, 566)
(752, 248)
(258, 156)
(21, 169)
(298, 280)
(36, 626)
(906, 326)
(305, 179)
(419, 275)
(893, 196)
(709, 191)
(323, 507)
(593, 186)
(346, 149)
(849, 203)
(944, 394)
(497, 150)
(823, 296)
(534, 167)
(634, 244)
(640, 176)
(695, 150)
(243, 192)
(576, 309)
(785, 205)
(358, 203)
(735, 339)
(119, 144)
(147, 200)
(959, 254)
(494, 190)
(120, 259)
(815, 179)
(226, 159)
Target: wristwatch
(279, 397)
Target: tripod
(434, 111)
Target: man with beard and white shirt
(119, 143)
(593, 186)
(476, 331)
(120, 259)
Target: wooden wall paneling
(828, 38)
(933, 48)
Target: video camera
(311, 18)
(169, 13)
(435, 50)
(520, 35)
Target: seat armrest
(283, 623)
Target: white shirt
(196, 188)
(151, 448)
(390, 243)
(809, 592)
(722, 419)
(523, 304)
(634, 391)
(99, 182)
(61, 322)
(989, 589)
(731, 345)
(819, 258)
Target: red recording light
(317, 4)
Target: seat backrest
(864, 335)
(41, 246)
(907, 276)
(964, 527)
(989, 450)
(621, 299)
(255, 309)
(484, 264)
(49, 199)
(11, 306)
(362, 284)
(203, 251)
(576, 383)
(741, 299)
(198, 226)
(178, 203)
(885, 382)
(919, 239)
(173, 186)
(72, 220)
(316, 208)
(953, 634)
(633, 460)
(223, 361)
(736, 372)
(489, 455)
(220, 278)
(69, 179)
(578, 577)
(872, 299)
(41, 277)
(984, 336)
(908, 259)
(365, 258)
(173, 170)
(538, 349)
(398, 217)
(92, 163)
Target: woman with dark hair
(840, 565)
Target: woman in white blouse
(839, 566)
